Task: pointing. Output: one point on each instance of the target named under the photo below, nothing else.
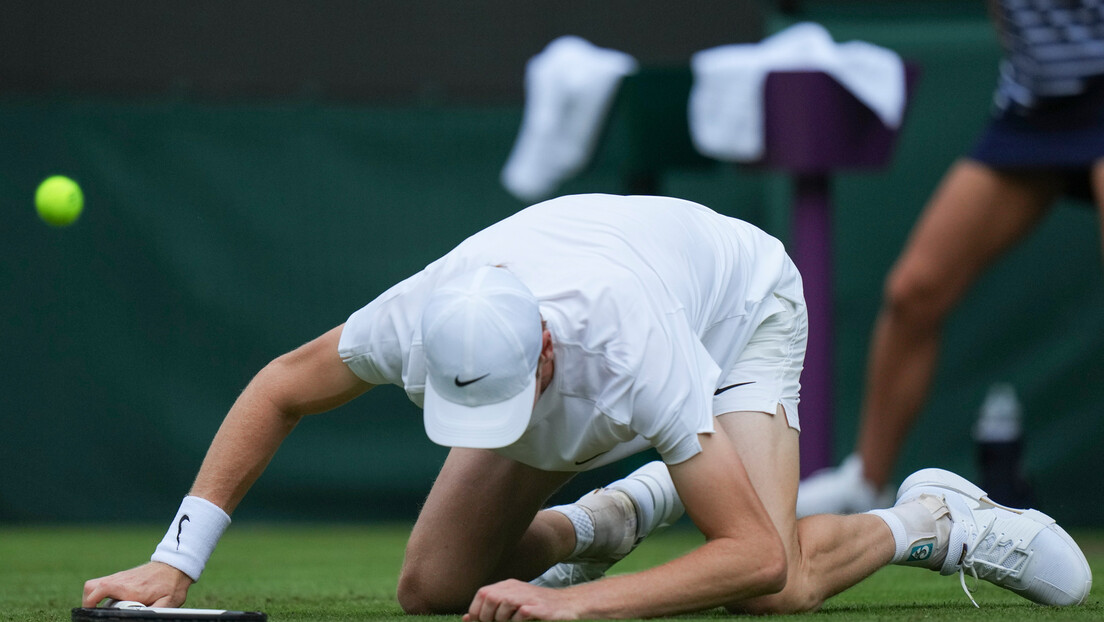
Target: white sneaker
(840, 490)
(1024, 551)
(624, 512)
(566, 574)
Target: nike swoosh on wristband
(180, 528)
(732, 386)
(464, 383)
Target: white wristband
(192, 536)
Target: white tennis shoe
(624, 513)
(1024, 551)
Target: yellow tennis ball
(59, 200)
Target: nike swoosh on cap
(464, 383)
(732, 386)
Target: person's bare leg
(825, 554)
(480, 524)
(974, 217)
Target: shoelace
(971, 562)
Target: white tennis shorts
(768, 371)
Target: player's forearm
(719, 572)
(244, 445)
(310, 379)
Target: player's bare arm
(743, 556)
(310, 379)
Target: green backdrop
(218, 235)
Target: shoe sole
(941, 479)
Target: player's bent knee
(419, 594)
(410, 599)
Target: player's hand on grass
(153, 584)
(518, 600)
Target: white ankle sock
(917, 531)
(583, 523)
(900, 539)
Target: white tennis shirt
(648, 299)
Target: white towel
(569, 88)
(726, 100)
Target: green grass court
(315, 573)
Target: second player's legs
(974, 217)
(479, 525)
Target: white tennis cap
(482, 338)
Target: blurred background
(256, 171)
